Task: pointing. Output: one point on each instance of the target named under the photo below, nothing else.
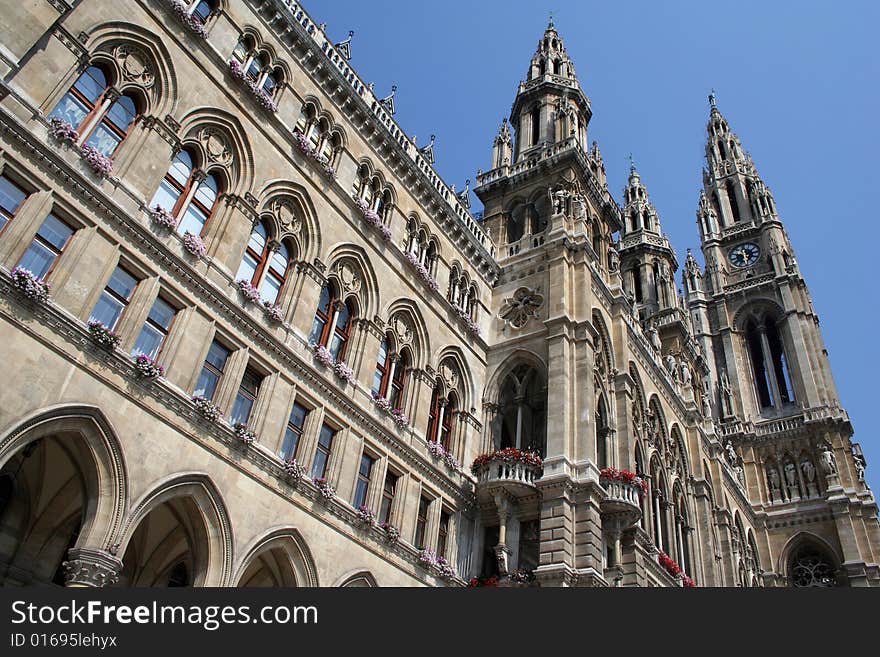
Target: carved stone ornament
(285, 213)
(402, 329)
(448, 375)
(135, 65)
(216, 146)
(90, 567)
(348, 277)
(524, 304)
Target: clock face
(744, 255)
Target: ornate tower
(776, 402)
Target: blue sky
(798, 82)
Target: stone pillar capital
(90, 567)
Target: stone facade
(271, 327)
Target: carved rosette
(87, 567)
(518, 309)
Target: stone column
(91, 567)
(20, 231)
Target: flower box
(100, 163)
(323, 355)
(422, 271)
(273, 312)
(294, 470)
(147, 367)
(365, 515)
(194, 245)
(326, 490)
(507, 455)
(35, 289)
(437, 450)
(445, 568)
(244, 434)
(162, 217)
(476, 582)
(392, 533)
(343, 371)
(206, 408)
(103, 336)
(427, 558)
(61, 131)
(470, 324)
(400, 418)
(671, 567)
(192, 24)
(372, 218)
(249, 292)
(615, 474)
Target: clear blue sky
(798, 81)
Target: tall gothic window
(522, 408)
(188, 194)
(264, 265)
(811, 567)
(769, 365)
(734, 204)
(331, 327)
(602, 434)
(101, 118)
(440, 418)
(392, 372)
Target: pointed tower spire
(344, 47)
(388, 101)
(638, 211)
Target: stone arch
(213, 558)
(358, 280)
(606, 347)
(518, 393)
(96, 450)
(285, 542)
(465, 387)
(293, 216)
(222, 145)
(151, 59)
(420, 344)
(494, 380)
(357, 578)
(756, 307)
(805, 539)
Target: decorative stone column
(89, 567)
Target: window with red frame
(329, 333)
(262, 266)
(11, 198)
(440, 429)
(102, 123)
(189, 196)
(389, 489)
(443, 533)
(421, 523)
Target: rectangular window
(48, 244)
(322, 454)
(155, 329)
(246, 397)
(294, 432)
(443, 534)
(114, 298)
(388, 491)
(422, 522)
(11, 196)
(363, 480)
(212, 370)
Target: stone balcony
(621, 504)
(514, 477)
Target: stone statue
(829, 466)
(790, 474)
(740, 475)
(707, 392)
(686, 376)
(671, 364)
(654, 338)
(613, 260)
(808, 470)
(859, 461)
(726, 394)
(773, 478)
(731, 453)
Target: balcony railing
(512, 469)
(623, 496)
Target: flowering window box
(103, 336)
(327, 491)
(35, 289)
(400, 418)
(206, 408)
(522, 576)
(343, 371)
(445, 568)
(294, 470)
(273, 312)
(625, 476)
(438, 451)
(61, 131)
(470, 324)
(100, 163)
(476, 582)
(422, 271)
(365, 515)
(192, 24)
(671, 567)
(147, 367)
(427, 558)
(245, 435)
(372, 218)
(264, 99)
(507, 455)
(194, 245)
(162, 217)
(392, 533)
(323, 355)
(249, 292)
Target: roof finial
(550, 25)
(632, 163)
(712, 100)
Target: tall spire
(638, 211)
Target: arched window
(264, 265)
(522, 408)
(101, 121)
(772, 378)
(602, 434)
(734, 204)
(188, 194)
(810, 566)
(536, 124)
(331, 327)
(440, 418)
(392, 372)
(275, 274)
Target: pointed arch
(806, 539)
(293, 216)
(421, 343)
(357, 578)
(288, 541)
(95, 448)
(215, 566)
(467, 387)
(497, 376)
(355, 260)
(223, 145)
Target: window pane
(149, 342)
(248, 268)
(320, 465)
(207, 384)
(162, 314)
(92, 83)
(335, 347)
(366, 466)
(122, 283)
(104, 140)
(298, 416)
(202, 11)
(55, 232)
(107, 311)
(206, 194)
(317, 330)
(122, 113)
(326, 438)
(193, 221)
(71, 110)
(38, 259)
(257, 241)
(166, 196)
(279, 261)
(241, 409)
(270, 288)
(11, 196)
(360, 493)
(217, 355)
(181, 168)
(290, 444)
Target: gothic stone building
(275, 340)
